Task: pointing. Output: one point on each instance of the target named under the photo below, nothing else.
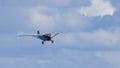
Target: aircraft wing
(48, 34)
(55, 35)
(32, 35)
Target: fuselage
(44, 38)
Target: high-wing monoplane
(43, 37)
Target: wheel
(52, 41)
(43, 42)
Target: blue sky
(90, 38)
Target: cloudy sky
(90, 38)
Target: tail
(38, 32)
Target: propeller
(38, 32)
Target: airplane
(44, 37)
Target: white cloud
(98, 8)
(70, 21)
(110, 57)
(102, 37)
(69, 39)
(116, 31)
(46, 18)
(99, 37)
(74, 20)
(38, 19)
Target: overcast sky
(90, 38)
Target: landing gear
(52, 41)
(43, 42)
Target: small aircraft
(44, 37)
